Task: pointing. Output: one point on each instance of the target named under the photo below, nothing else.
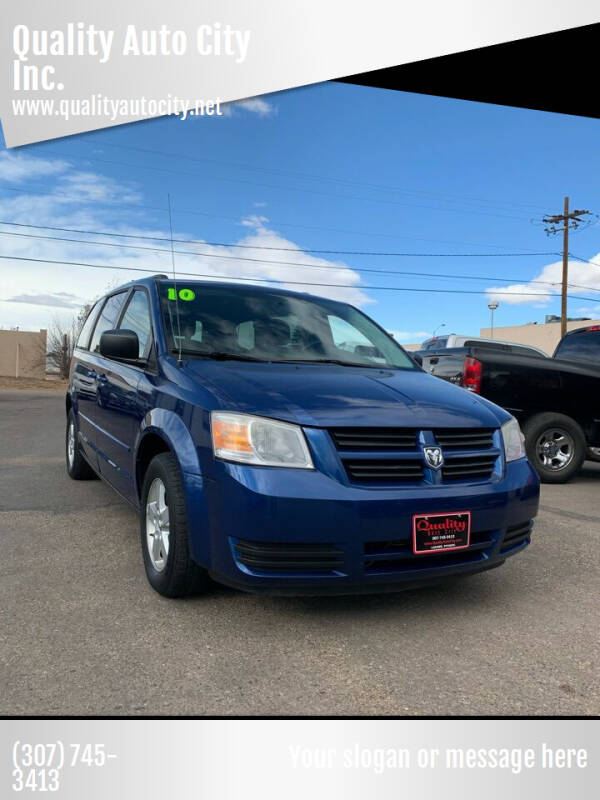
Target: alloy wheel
(555, 449)
(157, 525)
(71, 444)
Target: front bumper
(298, 532)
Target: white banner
(69, 67)
(296, 759)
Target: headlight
(514, 441)
(256, 440)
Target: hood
(331, 396)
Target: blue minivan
(281, 442)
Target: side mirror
(123, 345)
(418, 358)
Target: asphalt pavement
(82, 632)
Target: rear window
(439, 343)
(581, 346)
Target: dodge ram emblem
(434, 457)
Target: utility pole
(570, 220)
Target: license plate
(435, 533)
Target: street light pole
(441, 325)
(492, 307)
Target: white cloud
(268, 256)
(88, 200)
(92, 187)
(56, 300)
(584, 281)
(409, 336)
(15, 167)
(589, 310)
(254, 105)
(253, 220)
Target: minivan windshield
(252, 324)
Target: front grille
(465, 467)
(391, 456)
(384, 470)
(466, 439)
(374, 438)
(516, 535)
(288, 557)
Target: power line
(278, 249)
(221, 179)
(353, 232)
(332, 179)
(227, 278)
(584, 260)
(289, 264)
(77, 197)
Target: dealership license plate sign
(435, 533)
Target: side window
(137, 318)
(107, 319)
(84, 334)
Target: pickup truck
(456, 340)
(555, 399)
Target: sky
(329, 184)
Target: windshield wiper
(332, 361)
(216, 355)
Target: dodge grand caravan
(284, 443)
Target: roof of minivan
(160, 278)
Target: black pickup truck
(556, 399)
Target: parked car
(261, 449)
(555, 399)
(455, 340)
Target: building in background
(23, 354)
(545, 335)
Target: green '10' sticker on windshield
(183, 294)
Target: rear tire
(169, 566)
(77, 467)
(555, 446)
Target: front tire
(169, 566)
(77, 467)
(555, 446)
